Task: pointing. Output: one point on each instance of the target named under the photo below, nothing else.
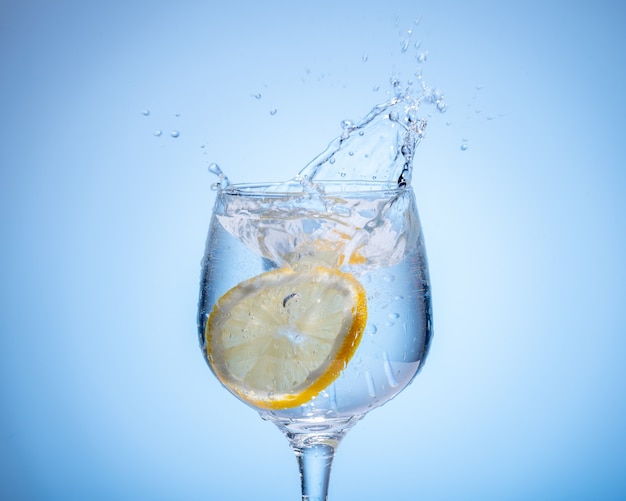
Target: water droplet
(174, 133)
(273, 111)
(145, 113)
(422, 57)
(347, 124)
(464, 146)
(364, 57)
(376, 88)
(393, 318)
(202, 146)
(224, 181)
(215, 169)
(351, 153)
(257, 95)
(157, 133)
(405, 46)
(332, 161)
(177, 115)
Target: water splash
(382, 145)
(223, 180)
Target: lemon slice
(278, 339)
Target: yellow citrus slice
(278, 339)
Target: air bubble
(371, 329)
(157, 133)
(145, 113)
(464, 146)
(175, 133)
(273, 111)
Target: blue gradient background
(103, 392)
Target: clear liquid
(251, 235)
(379, 148)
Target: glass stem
(315, 461)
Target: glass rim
(331, 187)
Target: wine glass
(315, 306)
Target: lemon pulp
(278, 339)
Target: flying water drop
(223, 180)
